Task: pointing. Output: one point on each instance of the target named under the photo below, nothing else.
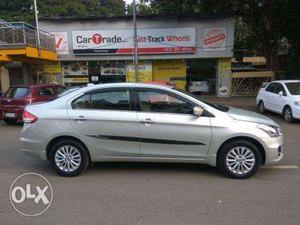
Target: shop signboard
(52, 68)
(150, 41)
(61, 42)
(214, 38)
(113, 68)
(145, 72)
(76, 80)
(170, 70)
(75, 68)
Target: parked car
(151, 123)
(17, 97)
(282, 97)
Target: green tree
(22, 10)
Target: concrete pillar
(25, 72)
(224, 77)
(4, 77)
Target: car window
(271, 87)
(294, 88)
(46, 91)
(17, 92)
(163, 102)
(82, 102)
(279, 88)
(60, 89)
(111, 100)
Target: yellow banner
(52, 68)
(173, 71)
(145, 72)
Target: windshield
(220, 107)
(294, 88)
(17, 92)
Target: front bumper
(296, 112)
(273, 149)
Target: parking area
(154, 193)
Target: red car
(13, 102)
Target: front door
(168, 127)
(279, 99)
(106, 121)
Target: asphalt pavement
(156, 193)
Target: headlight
(297, 103)
(273, 131)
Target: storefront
(190, 52)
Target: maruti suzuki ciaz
(148, 123)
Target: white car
(282, 96)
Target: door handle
(81, 119)
(147, 121)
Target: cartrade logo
(99, 39)
(30, 194)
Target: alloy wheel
(240, 160)
(68, 158)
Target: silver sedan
(148, 123)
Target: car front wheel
(239, 159)
(69, 158)
(288, 114)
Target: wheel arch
(284, 107)
(59, 138)
(245, 138)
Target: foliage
(22, 10)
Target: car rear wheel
(69, 158)
(288, 114)
(239, 159)
(261, 107)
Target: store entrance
(202, 76)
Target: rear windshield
(294, 88)
(17, 92)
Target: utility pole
(37, 25)
(135, 44)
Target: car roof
(125, 85)
(36, 85)
(286, 81)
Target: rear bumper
(18, 111)
(33, 148)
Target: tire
(70, 152)
(261, 107)
(288, 114)
(230, 164)
(10, 122)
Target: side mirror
(280, 93)
(198, 111)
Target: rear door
(107, 121)
(168, 127)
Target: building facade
(193, 53)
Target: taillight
(28, 117)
